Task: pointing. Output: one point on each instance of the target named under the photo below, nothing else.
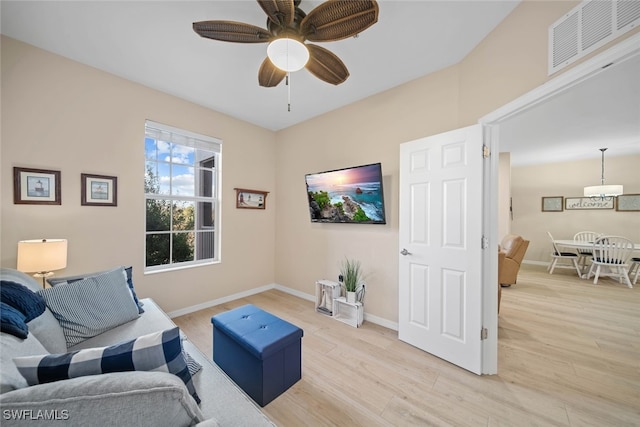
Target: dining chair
(584, 255)
(558, 256)
(613, 253)
(635, 266)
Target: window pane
(205, 242)
(205, 159)
(151, 178)
(183, 216)
(205, 186)
(164, 178)
(157, 249)
(158, 215)
(182, 154)
(150, 149)
(183, 247)
(205, 215)
(182, 181)
(164, 151)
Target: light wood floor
(569, 355)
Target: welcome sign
(575, 203)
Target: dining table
(577, 244)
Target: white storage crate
(351, 313)
(326, 292)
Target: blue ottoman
(258, 350)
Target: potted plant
(351, 272)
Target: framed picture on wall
(251, 199)
(628, 203)
(36, 187)
(98, 190)
(552, 204)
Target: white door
(440, 268)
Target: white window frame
(166, 133)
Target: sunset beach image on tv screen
(350, 195)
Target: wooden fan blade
(269, 75)
(326, 66)
(338, 19)
(281, 12)
(230, 31)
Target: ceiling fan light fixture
(288, 54)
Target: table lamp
(42, 257)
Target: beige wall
(58, 114)
(511, 61)
(530, 183)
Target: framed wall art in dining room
(628, 203)
(552, 204)
(251, 199)
(98, 190)
(36, 187)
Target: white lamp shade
(288, 54)
(42, 256)
(603, 190)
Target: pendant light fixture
(603, 191)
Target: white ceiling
(152, 43)
(601, 112)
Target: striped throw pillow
(159, 351)
(91, 306)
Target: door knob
(405, 252)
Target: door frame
(491, 132)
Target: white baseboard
(218, 301)
(296, 293)
(309, 297)
(368, 317)
(544, 263)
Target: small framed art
(251, 199)
(552, 204)
(628, 202)
(36, 187)
(98, 190)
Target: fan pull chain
(288, 92)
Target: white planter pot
(351, 297)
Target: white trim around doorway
(615, 55)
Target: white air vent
(588, 26)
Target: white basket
(348, 312)
(326, 292)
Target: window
(182, 196)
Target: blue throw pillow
(129, 271)
(159, 351)
(22, 299)
(13, 321)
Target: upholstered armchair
(514, 248)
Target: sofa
(514, 247)
(164, 396)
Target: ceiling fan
(288, 27)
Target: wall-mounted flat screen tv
(350, 195)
